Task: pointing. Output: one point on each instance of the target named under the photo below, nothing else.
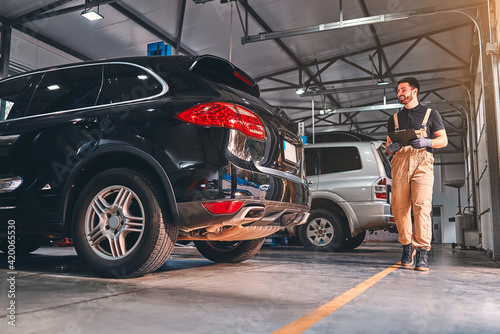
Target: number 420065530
(11, 239)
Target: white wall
(446, 196)
(28, 53)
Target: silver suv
(350, 183)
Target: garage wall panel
(28, 53)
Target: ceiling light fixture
(89, 13)
(300, 91)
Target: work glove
(421, 143)
(394, 147)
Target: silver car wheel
(114, 222)
(320, 232)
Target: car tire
(229, 251)
(354, 242)
(24, 244)
(120, 225)
(325, 231)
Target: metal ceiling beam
(388, 106)
(308, 82)
(43, 12)
(40, 14)
(290, 84)
(18, 25)
(263, 36)
(362, 69)
(360, 79)
(5, 40)
(382, 124)
(381, 53)
(366, 50)
(143, 24)
(284, 47)
(370, 87)
(420, 94)
(445, 49)
(402, 74)
(403, 56)
(180, 24)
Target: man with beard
(413, 172)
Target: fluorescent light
(368, 108)
(300, 91)
(53, 87)
(142, 77)
(91, 15)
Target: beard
(405, 99)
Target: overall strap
(396, 123)
(426, 118)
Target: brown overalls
(412, 182)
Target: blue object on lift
(159, 49)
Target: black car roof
(208, 66)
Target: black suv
(128, 155)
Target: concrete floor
(55, 293)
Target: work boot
(421, 260)
(408, 254)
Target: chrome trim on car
(10, 184)
(7, 140)
(279, 173)
(241, 217)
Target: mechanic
(413, 172)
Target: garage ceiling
(342, 68)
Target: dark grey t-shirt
(413, 118)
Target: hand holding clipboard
(404, 136)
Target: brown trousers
(412, 183)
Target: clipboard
(403, 136)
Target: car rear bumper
(275, 199)
(372, 215)
(252, 213)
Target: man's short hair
(413, 82)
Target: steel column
(5, 51)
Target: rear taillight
(225, 115)
(381, 189)
(220, 208)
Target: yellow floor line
(301, 324)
